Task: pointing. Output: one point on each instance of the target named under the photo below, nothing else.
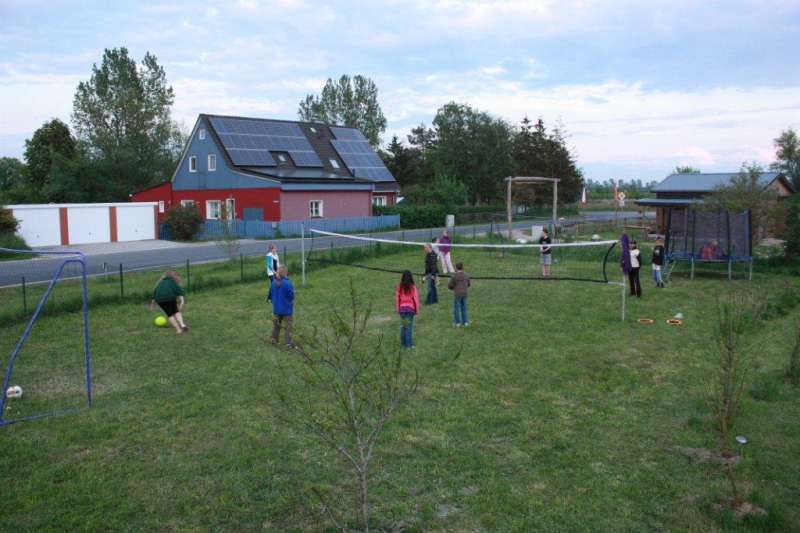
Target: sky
(639, 86)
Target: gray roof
(706, 181)
(667, 202)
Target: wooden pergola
(530, 179)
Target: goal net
(487, 257)
(44, 340)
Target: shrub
(8, 224)
(13, 241)
(185, 222)
(793, 227)
(416, 216)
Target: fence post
(241, 266)
(188, 277)
(24, 297)
(285, 255)
(121, 283)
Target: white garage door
(135, 223)
(39, 227)
(89, 224)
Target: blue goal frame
(76, 258)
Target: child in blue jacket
(281, 292)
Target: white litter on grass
(678, 316)
(14, 391)
(595, 237)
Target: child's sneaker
(466, 324)
(456, 325)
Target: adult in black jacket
(431, 272)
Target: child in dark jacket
(431, 274)
(407, 305)
(281, 292)
(459, 283)
(658, 262)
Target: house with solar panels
(275, 170)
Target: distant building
(273, 170)
(682, 191)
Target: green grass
(554, 417)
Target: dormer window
(202, 134)
(281, 158)
(313, 129)
(334, 164)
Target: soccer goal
(487, 258)
(29, 394)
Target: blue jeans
(657, 276)
(460, 310)
(406, 330)
(433, 296)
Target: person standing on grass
(546, 254)
(407, 305)
(459, 283)
(444, 251)
(658, 262)
(271, 262)
(169, 295)
(431, 275)
(281, 292)
(633, 274)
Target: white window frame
(320, 207)
(193, 163)
(230, 208)
(334, 163)
(208, 209)
(212, 162)
(202, 134)
(188, 203)
(380, 200)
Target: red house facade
(271, 170)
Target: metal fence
(255, 229)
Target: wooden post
(509, 181)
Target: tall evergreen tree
(787, 151)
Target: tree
(407, 164)
(472, 147)
(122, 113)
(50, 143)
(361, 385)
(787, 151)
(350, 102)
(539, 153)
(746, 192)
(686, 170)
(12, 174)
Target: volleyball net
(487, 257)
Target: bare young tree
(356, 385)
(737, 313)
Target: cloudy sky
(640, 86)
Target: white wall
(39, 227)
(89, 224)
(135, 223)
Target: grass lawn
(554, 417)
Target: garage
(135, 223)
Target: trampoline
(696, 236)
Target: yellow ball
(160, 321)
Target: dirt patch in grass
(740, 510)
(704, 455)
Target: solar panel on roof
(260, 137)
(348, 134)
(361, 159)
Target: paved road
(161, 254)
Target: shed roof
(706, 181)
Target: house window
(315, 209)
(334, 163)
(379, 200)
(230, 208)
(213, 209)
(202, 135)
(193, 164)
(282, 158)
(187, 203)
(161, 206)
(313, 129)
(212, 162)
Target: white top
(273, 259)
(635, 258)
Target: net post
(508, 206)
(303, 253)
(121, 283)
(623, 296)
(24, 297)
(555, 207)
(188, 277)
(87, 353)
(241, 266)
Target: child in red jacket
(407, 305)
